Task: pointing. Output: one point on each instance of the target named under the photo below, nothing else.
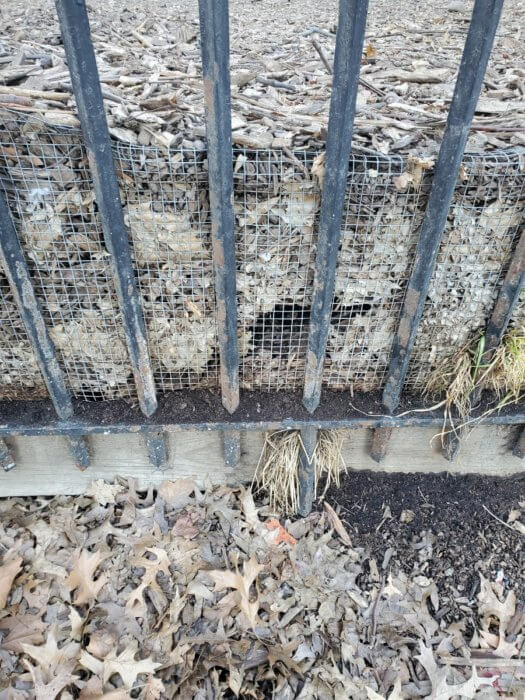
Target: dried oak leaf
(336, 523)
(103, 492)
(126, 666)
(437, 676)
(241, 583)
(394, 695)
(48, 689)
(8, 572)
(82, 577)
(21, 629)
(48, 656)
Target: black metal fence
(235, 411)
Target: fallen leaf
(81, 577)
(8, 572)
(177, 494)
(103, 492)
(48, 655)
(22, 629)
(47, 688)
(370, 52)
(185, 526)
(281, 535)
(336, 523)
(437, 676)
(242, 583)
(126, 666)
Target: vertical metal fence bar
(347, 61)
(80, 450)
(215, 49)
(74, 24)
(519, 446)
(499, 320)
(480, 37)
(13, 261)
(156, 445)
(507, 299)
(231, 448)
(307, 470)
(7, 461)
(380, 440)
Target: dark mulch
(451, 538)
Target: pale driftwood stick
(36, 94)
(326, 63)
(322, 55)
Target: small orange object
(281, 535)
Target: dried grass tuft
(277, 472)
(469, 369)
(507, 369)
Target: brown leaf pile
(192, 593)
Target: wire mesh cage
(44, 173)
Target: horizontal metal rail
(76, 35)
(347, 61)
(215, 51)
(176, 411)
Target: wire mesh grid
(48, 185)
(18, 365)
(166, 209)
(276, 203)
(378, 236)
(482, 227)
(44, 173)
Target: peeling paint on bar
(231, 448)
(380, 440)
(74, 25)
(80, 450)
(347, 61)
(7, 461)
(214, 24)
(157, 448)
(307, 470)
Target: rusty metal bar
(508, 297)
(14, 264)
(307, 470)
(347, 61)
(380, 440)
(80, 450)
(519, 446)
(74, 24)
(231, 448)
(178, 411)
(215, 50)
(480, 37)
(7, 461)
(157, 447)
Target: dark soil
(451, 538)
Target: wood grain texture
(45, 465)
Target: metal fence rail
(226, 327)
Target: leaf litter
(192, 592)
